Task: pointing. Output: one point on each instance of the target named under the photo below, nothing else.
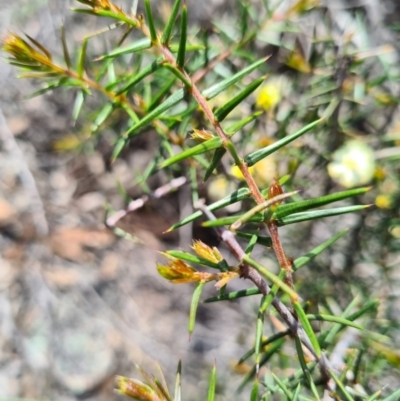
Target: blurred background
(79, 304)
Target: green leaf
(227, 221)
(266, 357)
(260, 208)
(269, 340)
(157, 98)
(304, 216)
(167, 104)
(294, 207)
(296, 393)
(300, 354)
(67, 57)
(307, 327)
(119, 146)
(224, 110)
(188, 257)
(40, 47)
(204, 147)
(234, 295)
(150, 19)
(339, 383)
(104, 113)
(334, 319)
(232, 198)
(232, 129)
(153, 67)
(312, 385)
(271, 277)
(178, 382)
(194, 304)
(303, 260)
(252, 243)
(166, 35)
(265, 241)
(117, 16)
(212, 385)
(260, 154)
(174, 47)
(79, 100)
(105, 13)
(282, 386)
(180, 59)
(254, 390)
(393, 397)
(139, 45)
(83, 10)
(374, 396)
(80, 69)
(217, 156)
(49, 87)
(134, 117)
(226, 83)
(162, 388)
(179, 74)
(328, 337)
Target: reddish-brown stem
(279, 252)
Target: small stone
(7, 212)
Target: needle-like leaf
(178, 382)
(303, 260)
(307, 327)
(180, 59)
(188, 257)
(317, 214)
(166, 35)
(212, 385)
(224, 110)
(166, 105)
(67, 57)
(334, 319)
(204, 147)
(260, 154)
(295, 207)
(193, 306)
(226, 83)
(150, 19)
(138, 46)
(153, 67)
(80, 69)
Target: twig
(248, 272)
(138, 203)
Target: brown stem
(279, 252)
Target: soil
(79, 304)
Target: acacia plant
(159, 78)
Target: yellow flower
(395, 231)
(265, 171)
(383, 202)
(353, 164)
(235, 171)
(269, 95)
(220, 187)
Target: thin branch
(249, 273)
(138, 203)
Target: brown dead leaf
(63, 278)
(71, 243)
(109, 267)
(7, 212)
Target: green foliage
(163, 92)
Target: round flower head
(353, 164)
